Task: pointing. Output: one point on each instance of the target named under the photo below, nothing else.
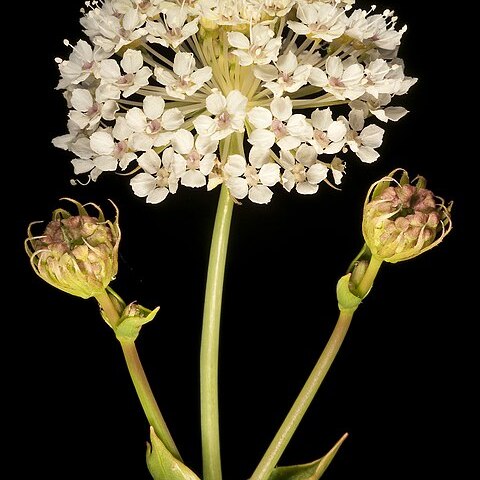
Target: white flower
(103, 151)
(196, 159)
(86, 112)
(158, 178)
(243, 179)
(377, 106)
(302, 171)
(343, 79)
(286, 76)
(377, 78)
(319, 21)
(114, 82)
(111, 29)
(152, 126)
(261, 48)
(185, 79)
(173, 31)
(363, 141)
(278, 125)
(229, 111)
(241, 92)
(328, 134)
(82, 62)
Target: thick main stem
(212, 469)
(304, 399)
(139, 378)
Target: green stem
(304, 399)
(139, 379)
(366, 282)
(146, 397)
(210, 339)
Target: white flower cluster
(237, 92)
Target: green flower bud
(76, 253)
(403, 220)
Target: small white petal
(318, 77)
(132, 61)
(281, 108)
(287, 63)
(317, 173)
(164, 76)
(260, 194)
(356, 119)
(136, 119)
(150, 161)
(288, 142)
(262, 138)
(81, 99)
(334, 67)
(201, 75)
(306, 188)
(121, 130)
(182, 141)
(236, 102)
(306, 155)
(372, 136)
(193, 178)
(269, 174)
(238, 40)
(184, 63)
(216, 103)
(367, 154)
(106, 163)
(81, 166)
(158, 195)
(153, 106)
(172, 119)
(238, 187)
(267, 73)
(109, 70)
(204, 125)
(102, 143)
(142, 184)
(258, 157)
(207, 163)
(235, 165)
(336, 131)
(260, 117)
(205, 145)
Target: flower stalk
(210, 339)
(304, 399)
(138, 376)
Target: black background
(402, 383)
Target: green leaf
(307, 471)
(163, 465)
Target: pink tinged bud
(402, 220)
(76, 253)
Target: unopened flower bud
(403, 219)
(76, 253)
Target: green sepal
(162, 465)
(347, 301)
(307, 471)
(133, 317)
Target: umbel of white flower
(246, 93)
